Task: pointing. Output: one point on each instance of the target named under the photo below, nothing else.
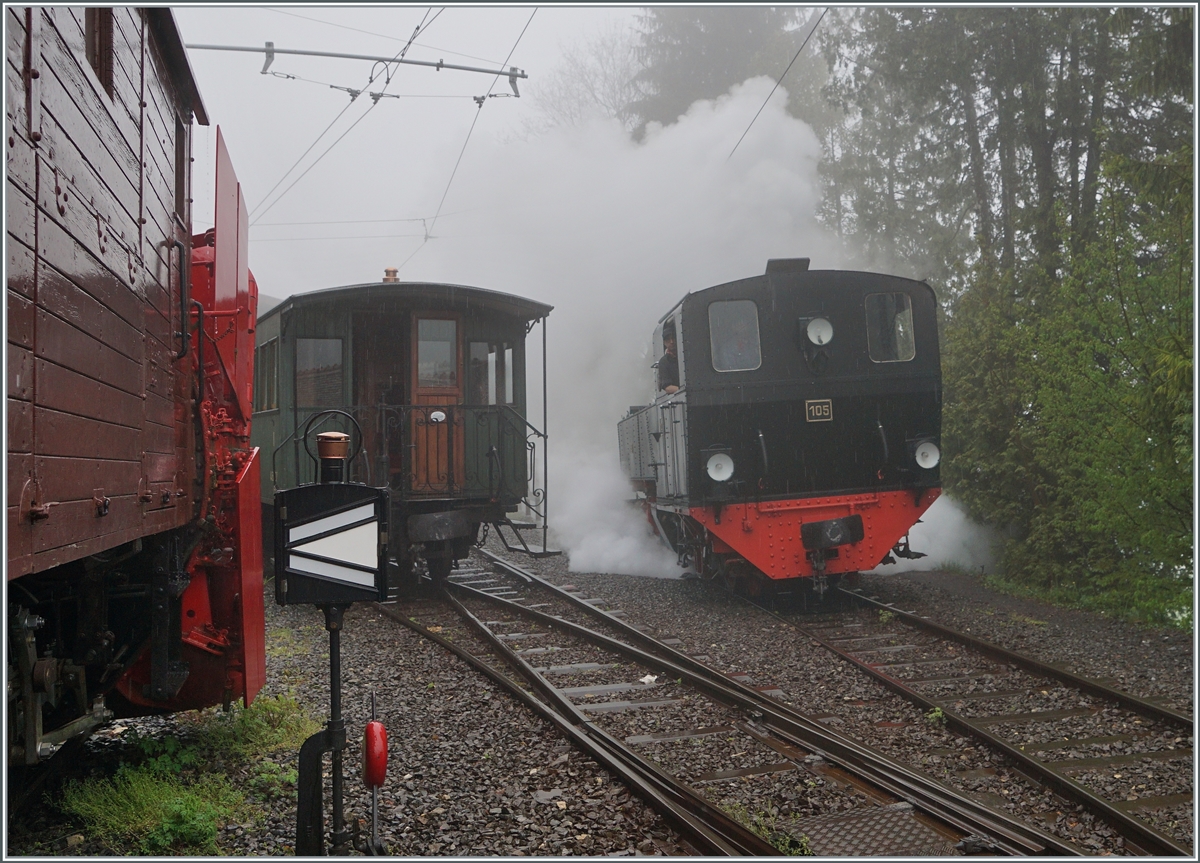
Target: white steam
(613, 233)
(949, 538)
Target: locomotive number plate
(818, 410)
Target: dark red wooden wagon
(134, 550)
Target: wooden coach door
(437, 425)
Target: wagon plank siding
(114, 128)
(64, 345)
(94, 171)
(78, 221)
(20, 269)
(19, 216)
(71, 436)
(20, 544)
(64, 390)
(20, 320)
(14, 81)
(93, 301)
(18, 157)
(20, 366)
(108, 288)
(20, 425)
(19, 470)
(76, 521)
(78, 478)
(72, 303)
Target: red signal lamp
(375, 753)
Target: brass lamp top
(333, 445)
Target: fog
(613, 233)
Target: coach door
(437, 423)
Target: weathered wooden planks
(99, 409)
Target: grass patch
(155, 812)
(936, 717)
(270, 724)
(165, 803)
(766, 825)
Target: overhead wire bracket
(270, 51)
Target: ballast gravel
(472, 773)
(740, 639)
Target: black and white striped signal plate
(331, 544)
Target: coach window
(437, 353)
(489, 373)
(266, 358)
(890, 328)
(733, 334)
(318, 373)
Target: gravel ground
(738, 638)
(470, 771)
(1145, 662)
(473, 774)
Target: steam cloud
(613, 233)
(949, 538)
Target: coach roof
(460, 297)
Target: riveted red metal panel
(254, 644)
(767, 534)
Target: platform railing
(481, 452)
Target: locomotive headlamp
(719, 467)
(819, 331)
(928, 455)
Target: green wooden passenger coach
(434, 375)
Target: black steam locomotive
(795, 428)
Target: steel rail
(1003, 654)
(691, 816)
(1135, 831)
(729, 834)
(917, 788)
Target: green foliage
(167, 803)
(270, 724)
(269, 780)
(689, 53)
(154, 811)
(936, 717)
(886, 616)
(166, 756)
(765, 824)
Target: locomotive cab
(804, 439)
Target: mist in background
(613, 233)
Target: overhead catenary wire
(383, 36)
(777, 83)
(347, 221)
(458, 161)
(374, 75)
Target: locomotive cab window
(733, 335)
(890, 337)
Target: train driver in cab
(668, 365)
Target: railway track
(681, 733)
(1020, 707)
